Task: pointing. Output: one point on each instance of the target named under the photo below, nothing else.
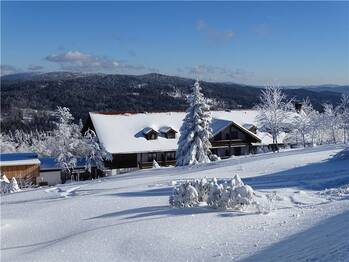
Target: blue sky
(290, 43)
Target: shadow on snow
(333, 172)
(326, 241)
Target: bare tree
(343, 111)
(331, 121)
(273, 112)
(302, 121)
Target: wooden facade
(21, 172)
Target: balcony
(227, 143)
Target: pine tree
(194, 144)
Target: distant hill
(320, 88)
(83, 93)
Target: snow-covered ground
(128, 218)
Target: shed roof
(18, 159)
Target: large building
(135, 140)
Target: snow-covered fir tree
(194, 141)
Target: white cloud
(79, 61)
(35, 67)
(8, 70)
(215, 73)
(76, 60)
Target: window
(151, 157)
(152, 136)
(171, 135)
(171, 155)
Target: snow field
(128, 218)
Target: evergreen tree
(194, 144)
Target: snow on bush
(214, 157)
(155, 164)
(185, 195)
(231, 194)
(8, 186)
(13, 187)
(5, 184)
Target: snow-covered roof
(19, 159)
(166, 129)
(120, 133)
(147, 130)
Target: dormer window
(150, 133)
(168, 132)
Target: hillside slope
(128, 218)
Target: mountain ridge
(84, 93)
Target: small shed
(50, 172)
(25, 167)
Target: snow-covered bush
(214, 157)
(233, 194)
(4, 184)
(8, 186)
(13, 186)
(202, 186)
(155, 164)
(185, 195)
(214, 193)
(230, 194)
